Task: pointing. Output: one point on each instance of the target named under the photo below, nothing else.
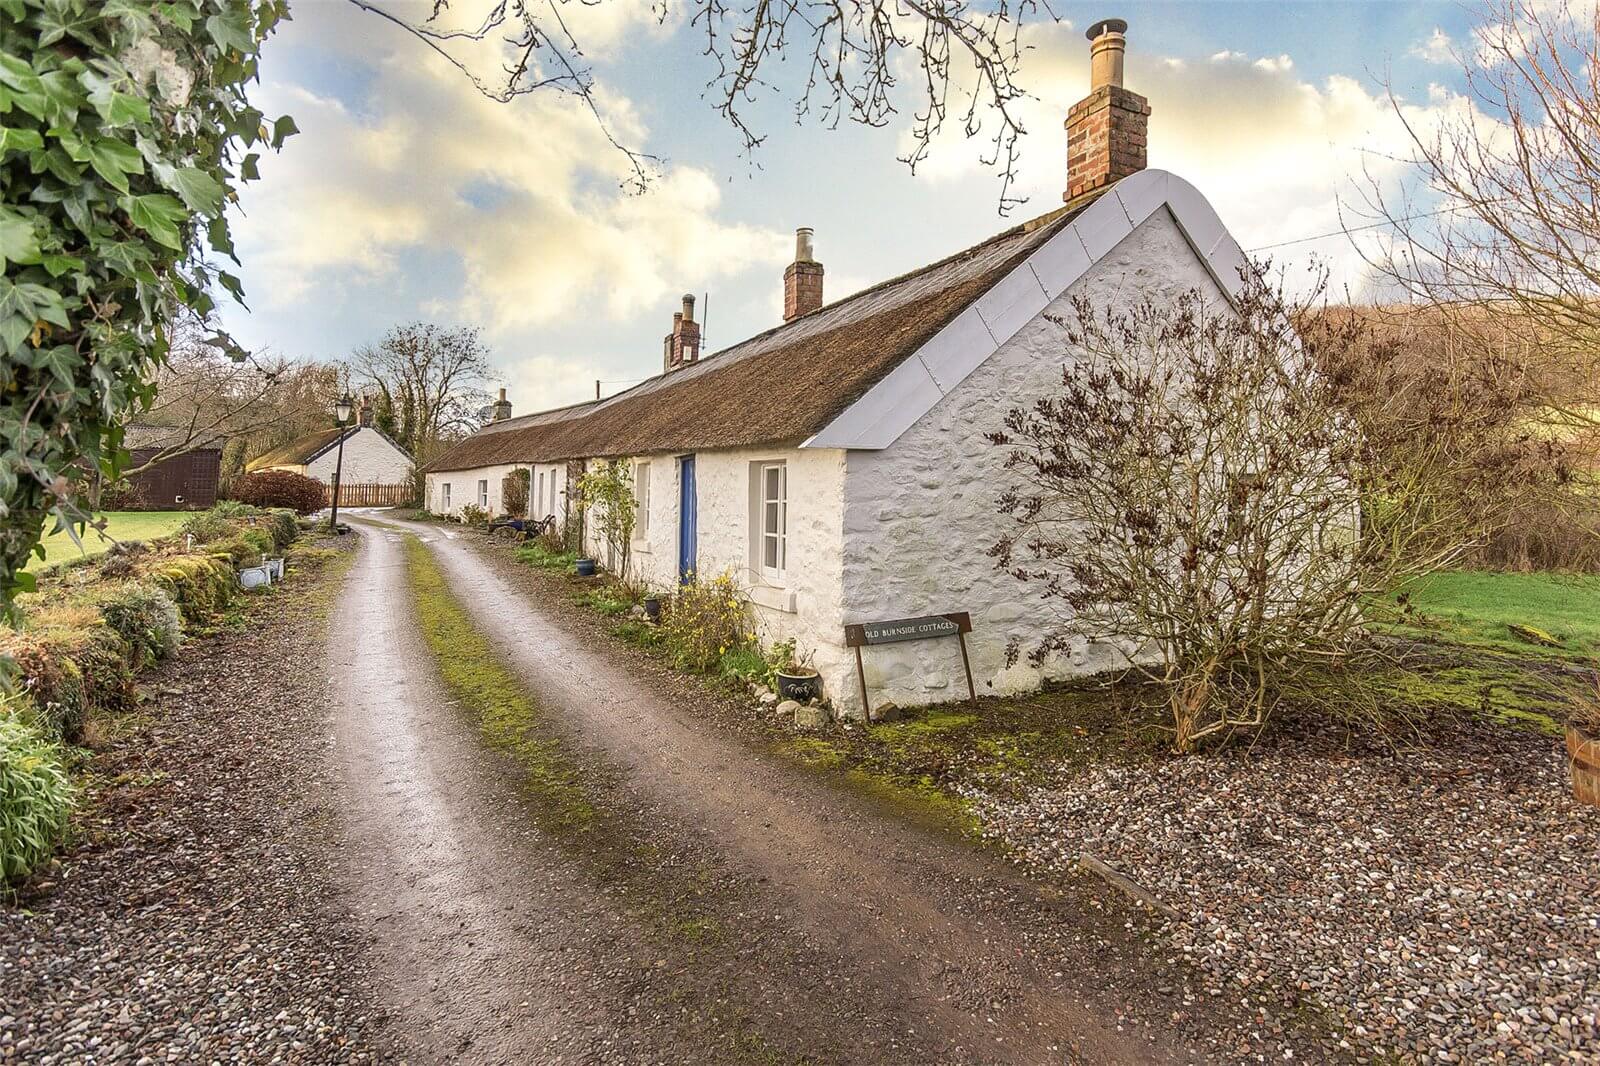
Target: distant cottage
(837, 464)
(370, 457)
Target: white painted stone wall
(808, 605)
(547, 492)
(464, 488)
(920, 514)
(369, 459)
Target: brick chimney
(500, 410)
(681, 347)
(364, 416)
(802, 281)
(1106, 130)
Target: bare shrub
(1196, 492)
(514, 493)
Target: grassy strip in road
(689, 908)
(508, 716)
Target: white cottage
(837, 464)
(370, 457)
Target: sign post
(864, 634)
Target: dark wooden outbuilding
(182, 482)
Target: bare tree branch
(855, 53)
(1500, 235)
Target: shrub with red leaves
(279, 488)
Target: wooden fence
(354, 495)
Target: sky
(409, 196)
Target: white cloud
(1273, 152)
(1436, 49)
(524, 197)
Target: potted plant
(794, 676)
(652, 608)
(584, 566)
(1583, 745)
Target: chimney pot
(688, 307)
(1108, 45)
(802, 245)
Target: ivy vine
(125, 129)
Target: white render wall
(808, 606)
(369, 459)
(920, 515)
(547, 492)
(464, 487)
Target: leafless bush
(1196, 490)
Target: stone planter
(1583, 754)
(800, 686)
(274, 568)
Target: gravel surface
(1443, 905)
(195, 917)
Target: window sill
(773, 598)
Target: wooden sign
(898, 629)
(925, 627)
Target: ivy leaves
(125, 128)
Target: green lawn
(120, 525)
(1475, 607)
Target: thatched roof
(302, 450)
(778, 386)
(305, 450)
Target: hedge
(279, 488)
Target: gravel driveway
(1443, 904)
(856, 935)
(198, 917)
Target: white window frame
(538, 500)
(765, 535)
(483, 493)
(444, 498)
(641, 501)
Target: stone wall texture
(920, 515)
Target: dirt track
(842, 933)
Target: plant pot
(1583, 755)
(799, 685)
(584, 567)
(254, 577)
(652, 608)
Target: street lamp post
(341, 409)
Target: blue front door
(686, 519)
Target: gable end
(911, 390)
